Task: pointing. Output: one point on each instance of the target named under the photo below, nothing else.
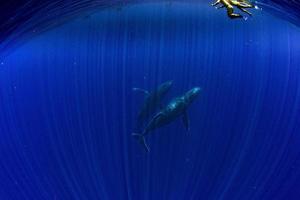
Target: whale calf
(176, 108)
(152, 101)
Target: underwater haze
(68, 109)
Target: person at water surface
(230, 4)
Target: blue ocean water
(68, 109)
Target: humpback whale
(152, 101)
(177, 107)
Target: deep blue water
(68, 109)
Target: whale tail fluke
(141, 139)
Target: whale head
(165, 87)
(192, 94)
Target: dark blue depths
(68, 110)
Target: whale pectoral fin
(146, 93)
(186, 121)
(156, 116)
(150, 123)
(141, 139)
